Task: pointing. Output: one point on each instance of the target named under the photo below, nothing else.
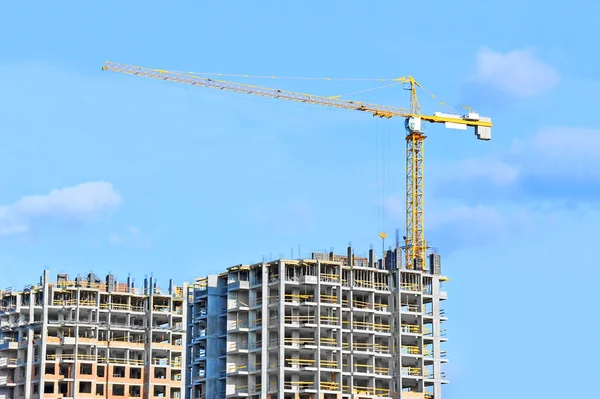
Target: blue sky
(106, 172)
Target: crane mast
(415, 246)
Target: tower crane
(415, 246)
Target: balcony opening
(135, 373)
(119, 371)
(100, 371)
(135, 391)
(85, 387)
(48, 387)
(63, 388)
(160, 373)
(118, 390)
(99, 389)
(50, 368)
(160, 391)
(86, 369)
(65, 371)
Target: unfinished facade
(92, 338)
(327, 327)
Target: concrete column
(264, 331)
(281, 330)
(437, 369)
(318, 331)
(150, 300)
(45, 301)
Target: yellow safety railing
(410, 308)
(329, 386)
(72, 357)
(411, 350)
(160, 308)
(333, 364)
(330, 276)
(298, 298)
(381, 348)
(9, 362)
(365, 346)
(241, 388)
(412, 371)
(410, 328)
(329, 319)
(363, 368)
(361, 304)
(427, 396)
(381, 286)
(298, 341)
(429, 353)
(385, 392)
(328, 341)
(379, 327)
(409, 287)
(372, 391)
(254, 367)
(362, 325)
(382, 370)
(365, 283)
(299, 319)
(232, 368)
(65, 283)
(299, 384)
(328, 298)
(381, 306)
(256, 388)
(300, 362)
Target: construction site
(92, 338)
(327, 327)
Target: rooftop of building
(108, 283)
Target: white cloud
(568, 142)
(83, 203)
(132, 236)
(494, 170)
(517, 73)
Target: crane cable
(232, 75)
(383, 148)
(329, 79)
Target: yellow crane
(415, 246)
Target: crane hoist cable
(415, 246)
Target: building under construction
(326, 327)
(92, 338)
